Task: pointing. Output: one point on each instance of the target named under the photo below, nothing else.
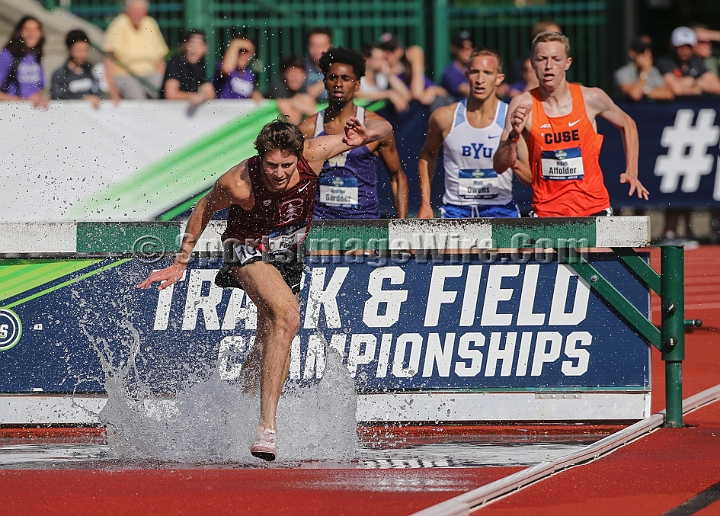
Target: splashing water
(213, 421)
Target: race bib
(245, 254)
(478, 183)
(339, 191)
(286, 238)
(562, 165)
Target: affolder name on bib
(562, 164)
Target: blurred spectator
(453, 77)
(704, 47)
(234, 79)
(290, 90)
(529, 80)
(639, 79)
(319, 41)
(134, 39)
(75, 80)
(378, 83)
(409, 65)
(21, 73)
(186, 74)
(684, 72)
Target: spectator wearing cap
(74, 80)
(136, 50)
(684, 72)
(186, 75)
(453, 77)
(639, 78)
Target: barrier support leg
(672, 263)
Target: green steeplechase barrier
(672, 262)
(569, 238)
(670, 338)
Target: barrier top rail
(113, 238)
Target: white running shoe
(265, 447)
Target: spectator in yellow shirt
(134, 39)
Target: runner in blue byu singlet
(469, 133)
(348, 183)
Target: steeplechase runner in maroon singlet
(270, 197)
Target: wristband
(514, 139)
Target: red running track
(666, 468)
(221, 491)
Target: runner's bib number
(478, 183)
(286, 238)
(246, 254)
(278, 241)
(562, 165)
(339, 191)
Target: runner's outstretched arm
(318, 150)
(599, 101)
(217, 199)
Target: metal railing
(279, 27)
(670, 338)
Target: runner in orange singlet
(557, 121)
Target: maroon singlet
(278, 220)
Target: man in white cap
(685, 73)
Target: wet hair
(17, 46)
(549, 36)
(74, 36)
(280, 134)
(344, 56)
(486, 51)
(294, 61)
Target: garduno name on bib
(339, 192)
